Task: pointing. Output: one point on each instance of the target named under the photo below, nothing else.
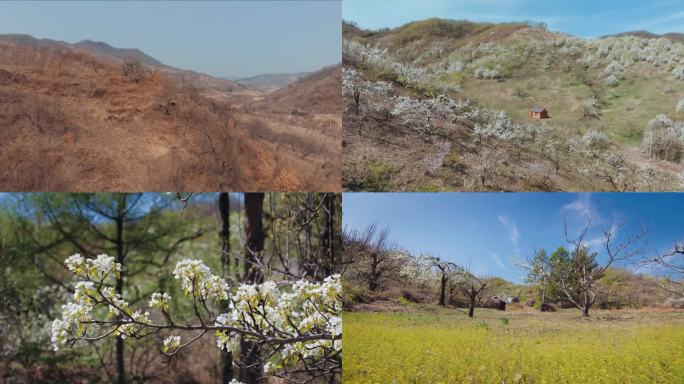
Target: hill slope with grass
(436, 98)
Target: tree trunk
(373, 279)
(254, 210)
(224, 210)
(585, 305)
(471, 310)
(442, 291)
(120, 368)
(250, 370)
(328, 234)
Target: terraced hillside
(444, 105)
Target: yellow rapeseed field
(435, 345)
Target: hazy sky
(586, 18)
(231, 38)
(492, 230)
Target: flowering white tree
(296, 326)
(678, 72)
(595, 140)
(664, 138)
(614, 73)
(361, 54)
(362, 91)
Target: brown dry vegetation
(74, 121)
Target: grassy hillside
(439, 345)
(606, 90)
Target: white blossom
(160, 300)
(171, 343)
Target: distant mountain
(674, 37)
(271, 81)
(103, 49)
(318, 92)
(109, 53)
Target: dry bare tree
(672, 262)
(578, 275)
(472, 287)
(370, 251)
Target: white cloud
(513, 232)
(497, 259)
(582, 206)
(598, 241)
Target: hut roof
(538, 109)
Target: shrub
(664, 138)
(377, 175)
(680, 106)
(590, 108)
(485, 74)
(455, 66)
(595, 140)
(434, 162)
(678, 72)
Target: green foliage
(376, 176)
(429, 186)
(403, 301)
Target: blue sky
(578, 17)
(238, 38)
(491, 230)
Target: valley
(87, 117)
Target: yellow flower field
(435, 345)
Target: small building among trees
(539, 113)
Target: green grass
(562, 93)
(528, 347)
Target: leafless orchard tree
(578, 275)
(472, 287)
(483, 167)
(671, 262)
(370, 251)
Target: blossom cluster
(196, 278)
(306, 309)
(76, 314)
(299, 322)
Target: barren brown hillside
(74, 119)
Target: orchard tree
(371, 254)
(472, 287)
(577, 275)
(445, 270)
(362, 91)
(671, 262)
